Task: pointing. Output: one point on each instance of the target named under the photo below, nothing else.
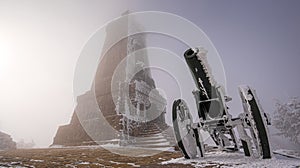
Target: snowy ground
(288, 153)
(95, 156)
(83, 156)
(237, 159)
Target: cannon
(214, 116)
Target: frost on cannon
(214, 116)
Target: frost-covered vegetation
(287, 119)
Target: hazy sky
(40, 42)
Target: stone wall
(72, 134)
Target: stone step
(162, 145)
(152, 137)
(165, 143)
(151, 140)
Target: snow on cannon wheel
(188, 139)
(257, 122)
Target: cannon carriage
(214, 116)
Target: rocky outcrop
(6, 142)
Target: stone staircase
(154, 136)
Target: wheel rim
(184, 134)
(258, 127)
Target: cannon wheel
(188, 139)
(258, 126)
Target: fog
(40, 43)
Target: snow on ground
(34, 160)
(117, 146)
(237, 159)
(134, 151)
(133, 165)
(288, 153)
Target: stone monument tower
(124, 108)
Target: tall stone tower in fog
(117, 107)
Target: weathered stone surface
(6, 142)
(72, 134)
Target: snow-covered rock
(6, 142)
